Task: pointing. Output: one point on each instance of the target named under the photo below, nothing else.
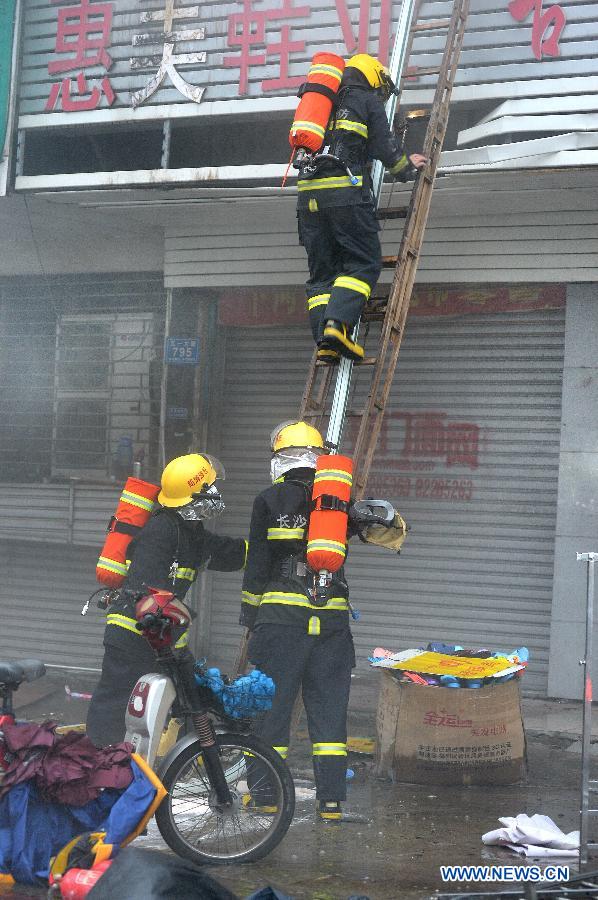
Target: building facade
(151, 301)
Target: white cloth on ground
(533, 836)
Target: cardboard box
(437, 735)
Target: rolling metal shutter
(42, 590)
(471, 459)
(51, 533)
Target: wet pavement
(408, 831)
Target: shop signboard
(136, 60)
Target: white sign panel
(123, 60)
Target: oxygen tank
(134, 509)
(317, 95)
(327, 533)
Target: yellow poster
(460, 666)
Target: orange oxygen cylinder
(328, 520)
(317, 98)
(134, 508)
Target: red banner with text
(259, 307)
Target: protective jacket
(274, 588)
(169, 553)
(358, 133)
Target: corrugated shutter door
(469, 455)
(42, 591)
(45, 580)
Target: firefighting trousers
(345, 260)
(122, 667)
(319, 665)
(125, 661)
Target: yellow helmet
(295, 434)
(185, 476)
(376, 74)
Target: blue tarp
(32, 830)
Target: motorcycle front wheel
(263, 802)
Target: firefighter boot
(336, 337)
(327, 355)
(329, 811)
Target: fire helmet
(295, 434)
(374, 72)
(185, 477)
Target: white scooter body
(147, 713)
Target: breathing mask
(293, 458)
(207, 504)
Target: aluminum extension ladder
(589, 785)
(392, 309)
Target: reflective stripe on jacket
(165, 539)
(278, 531)
(357, 133)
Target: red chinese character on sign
(359, 43)
(424, 434)
(247, 30)
(83, 32)
(462, 444)
(87, 98)
(541, 22)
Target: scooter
(231, 797)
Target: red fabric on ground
(66, 768)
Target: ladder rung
(389, 262)
(416, 72)
(431, 26)
(368, 361)
(374, 315)
(393, 213)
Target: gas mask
(293, 458)
(206, 505)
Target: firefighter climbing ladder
(392, 311)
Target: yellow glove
(389, 536)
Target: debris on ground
(535, 835)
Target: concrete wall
(577, 505)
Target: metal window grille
(83, 358)
(81, 434)
(101, 392)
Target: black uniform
(337, 220)
(169, 553)
(295, 642)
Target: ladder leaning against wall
(391, 310)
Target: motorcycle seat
(14, 672)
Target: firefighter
(337, 219)
(169, 553)
(298, 644)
